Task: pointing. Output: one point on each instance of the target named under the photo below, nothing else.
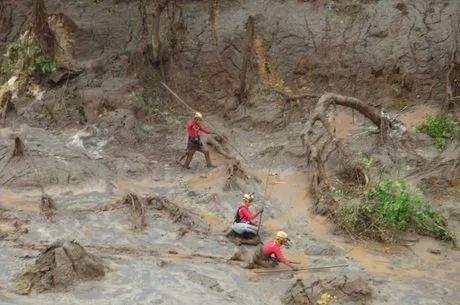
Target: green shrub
(41, 64)
(440, 127)
(390, 207)
(35, 62)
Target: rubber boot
(208, 159)
(189, 159)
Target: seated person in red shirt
(273, 248)
(194, 142)
(243, 225)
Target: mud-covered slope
(387, 50)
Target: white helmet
(198, 115)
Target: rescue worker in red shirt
(273, 248)
(243, 226)
(194, 143)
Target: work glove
(261, 210)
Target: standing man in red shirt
(194, 143)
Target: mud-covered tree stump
(59, 267)
(18, 150)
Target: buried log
(57, 268)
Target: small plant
(11, 57)
(6, 68)
(34, 61)
(335, 191)
(366, 160)
(41, 64)
(440, 127)
(391, 206)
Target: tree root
(138, 208)
(320, 148)
(47, 206)
(6, 105)
(237, 179)
(179, 215)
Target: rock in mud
(204, 280)
(59, 267)
(434, 251)
(319, 249)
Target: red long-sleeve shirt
(272, 247)
(194, 128)
(245, 215)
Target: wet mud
(101, 212)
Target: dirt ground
(155, 229)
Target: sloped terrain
(100, 137)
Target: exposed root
(18, 150)
(47, 206)
(6, 105)
(453, 74)
(320, 148)
(57, 268)
(249, 42)
(191, 220)
(237, 179)
(41, 29)
(137, 210)
(353, 175)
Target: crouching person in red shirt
(243, 227)
(270, 253)
(194, 142)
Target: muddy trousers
(191, 151)
(258, 259)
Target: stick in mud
(302, 269)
